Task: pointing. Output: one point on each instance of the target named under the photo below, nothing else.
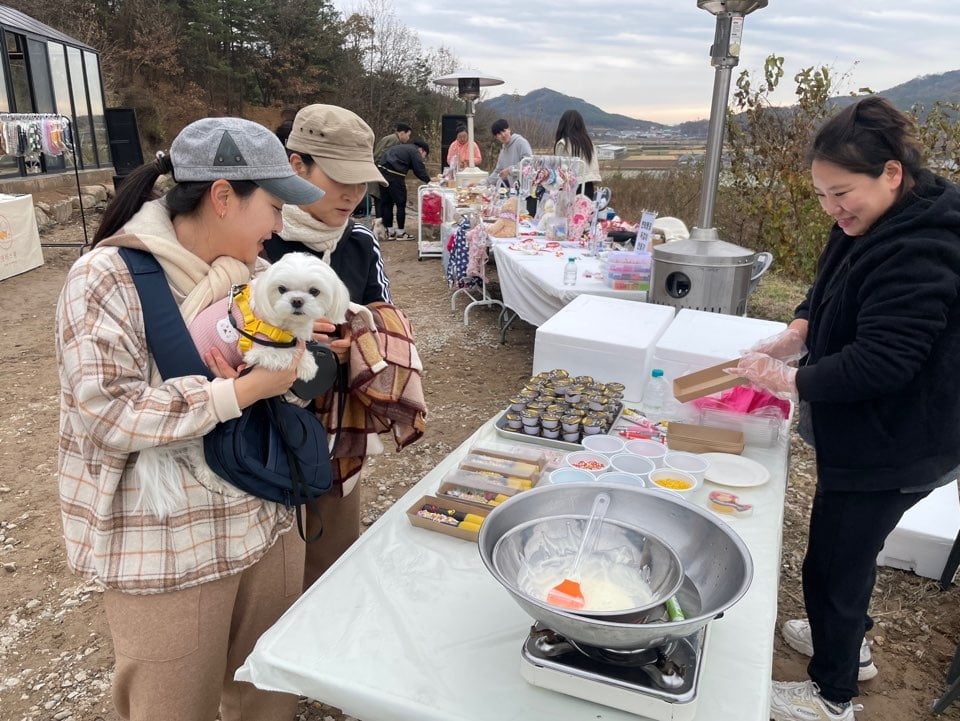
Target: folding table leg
(950, 568)
(953, 688)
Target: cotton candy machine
(650, 668)
(703, 272)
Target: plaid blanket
(384, 390)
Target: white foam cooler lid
(699, 335)
(608, 324)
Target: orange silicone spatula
(567, 593)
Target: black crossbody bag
(275, 450)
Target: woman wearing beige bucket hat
(194, 569)
(332, 148)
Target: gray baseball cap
(238, 149)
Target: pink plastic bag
(744, 399)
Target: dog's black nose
(297, 302)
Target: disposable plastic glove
(770, 374)
(787, 345)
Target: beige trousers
(176, 652)
(340, 517)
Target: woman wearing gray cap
(332, 148)
(194, 569)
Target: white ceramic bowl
(660, 477)
(569, 475)
(601, 443)
(651, 449)
(692, 463)
(629, 463)
(627, 479)
(599, 463)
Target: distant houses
(607, 151)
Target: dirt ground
(55, 653)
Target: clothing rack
(68, 148)
(483, 298)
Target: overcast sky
(649, 59)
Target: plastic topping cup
(595, 463)
(673, 480)
(650, 449)
(570, 475)
(626, 479)
(635, 465)
(607, 445)
(691, 463)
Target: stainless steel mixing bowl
(716, 563)
(539, 542)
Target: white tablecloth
(532, 285)
(19, 238)
(409, 626)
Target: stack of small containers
(623, 270)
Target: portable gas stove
(657, 683)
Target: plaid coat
(109, 410)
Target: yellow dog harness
(253, 326)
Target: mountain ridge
(548, 105)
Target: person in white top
(573, 140)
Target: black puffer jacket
(883, 372)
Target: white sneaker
(800, 701)
(797, 635)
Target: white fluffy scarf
(195, 285)
(299, 225)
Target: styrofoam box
(608, 338)
(922, 540)
(697, 339)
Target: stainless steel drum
(705, 273)
(716, 563)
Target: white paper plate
(727, 469)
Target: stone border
(62, 211)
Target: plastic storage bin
(921, 542)
(626, 271)
(610, 339)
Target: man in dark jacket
(396, 162)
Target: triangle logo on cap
(228, 154)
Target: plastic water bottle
(655, 393)
(570, 272)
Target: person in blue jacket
(878, 388)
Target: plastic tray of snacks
(518, 436)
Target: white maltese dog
(282, 304)
(290, 295)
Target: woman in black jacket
(878, 390)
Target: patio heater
(703, 272)
(468, 84)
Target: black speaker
(448, 133)
(124, 140)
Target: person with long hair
(877, 336)
(573, 139)
(188, 590)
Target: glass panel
(92, 64)
(23, 103)
(82, 129)
(4, 100)
(43, 91)
(8, 163)
(40, 74)
(58, 75)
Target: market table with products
(410, 626)
(532, 287)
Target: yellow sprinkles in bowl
(674, 484)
